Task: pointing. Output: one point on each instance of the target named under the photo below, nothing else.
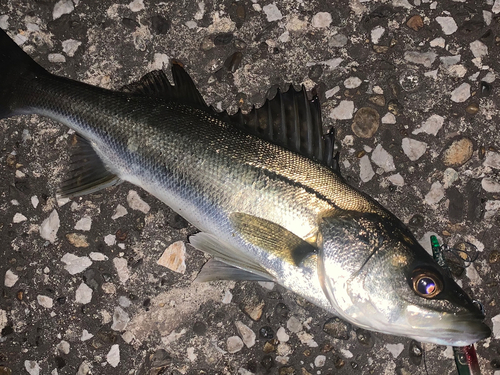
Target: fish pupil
(426, 285)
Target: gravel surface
(103, 284)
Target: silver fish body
(261, 208)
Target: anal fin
(216, 270)
(88, 173)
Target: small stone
(174, 257)
(228, 297)
(110, 239)
(449, 177)
(377, 100)
(437, 42)
(389, 118)
(294, 325)
(34, 201)
(494, 256)
(77, 239)
(120, 319)
(281, 335)
(63, 347)
(234, 344)
(10, 279)
(376, 34)
(136, 6)
(396, 179)
(366, 122)
(383, 159)
(45, 301)
(246, 334)
(448, 61)
(431, 126)
(338, 41)
(70, 46)
(320, 361)
(113, 356)
(343, 111)
(84, 224)
(83, 369)
(492, 160)
(478, 49)
(86, 335)
(488, 184)
(321, 20)
(4, 321)
(4, 22)
(120, 211)
(458, 153)
(32, 367)
(461, 93)
(57, 58)
(413, 149)
(135, 202)
(366, 172)
(395, 349)
(448, 25)
(122, 269)
(283, 350)
(50, 226)
(272, 12)
(62, 7)
(421, 58)
(108, 288)
(472, 108)
(415, 23)
(435, 194)
(352, 82)
(19, 218)
(124, 301)
(337, 328)
(75, 264)
(83, 294)
(98, 257)
(307, 339)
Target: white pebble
(283, 350)
(120, 319)
(307, 339)
(4, 23)
(113, 356)
(352, 82)
(32, 367)
(119, 212)
(489, 185)
(321, 20)
(489, 77)
(19, 218)
(45, 301)
(344, 111)
(83, 294)
(86, 335)
(63, 347)
(10, 279)
(62, 7)
(389, 118)
(492, 160)
(75, 264)
(478, 48)
(437, 42)
(413, 149)
(383, 159)
(461, 93)
(448, 24)
(332, 91)
(396, 179)
(98, 257)
(174, 257)
(272, 12)
(346, 353)
(319, 361)
(421, 58)
(136, 6)
(70, 46)
(57, 58)
(431, 126)
(496, 326)
(376, 34)
(35, 201)
(4, 320)
(234, 344)
(124, 301)
(110, 239)
(366, 171)
(248, 336)
(135, 202)
(395, 349)
(293, 324)
(84, 224)
(228, 297)
(449, 177)
(496, 7)
(121, 269)
(50, 226)
(281, 335)
(435, 194)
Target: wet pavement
(103, 284)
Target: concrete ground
(410, 86)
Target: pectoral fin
(273, 238)
(229, 255)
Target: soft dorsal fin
(290, 119)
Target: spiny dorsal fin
(88, 173)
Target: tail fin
(16, 69)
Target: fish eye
(426, 283)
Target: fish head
(377, 276)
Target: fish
(264, 188)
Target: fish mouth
(454, 330)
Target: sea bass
(263, 188)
